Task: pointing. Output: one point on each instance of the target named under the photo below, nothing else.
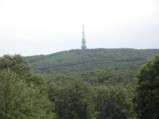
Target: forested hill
(88, 60)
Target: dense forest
(81, 84)
(89, 60)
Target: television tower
(83, 46)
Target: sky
(34, 27)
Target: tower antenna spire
(83, 39)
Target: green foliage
(15, 63)
(113, 103)
(21, 98)
(108, 76)
(123, 76)
(88, 60)
(105, 89)
(18, 100)
(73, 101)
(80, 84)
(147, 97)
(76, 99)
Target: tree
(80, 100)
(73, 100)
(21, 94)
(16, 63)
(147, 97)
(113, 103)
(18, 100)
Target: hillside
(88, 60)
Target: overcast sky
(32, 27)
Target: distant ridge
(89, 59)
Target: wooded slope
(88, 60)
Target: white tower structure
(83, 46)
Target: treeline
(107, 93)
(76, 99)
(89, 60)
(123, 76)
(103, 93)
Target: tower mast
(83, 39)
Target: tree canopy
(88, 60)
(147, 97)
(20, 98)
(105, 93)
